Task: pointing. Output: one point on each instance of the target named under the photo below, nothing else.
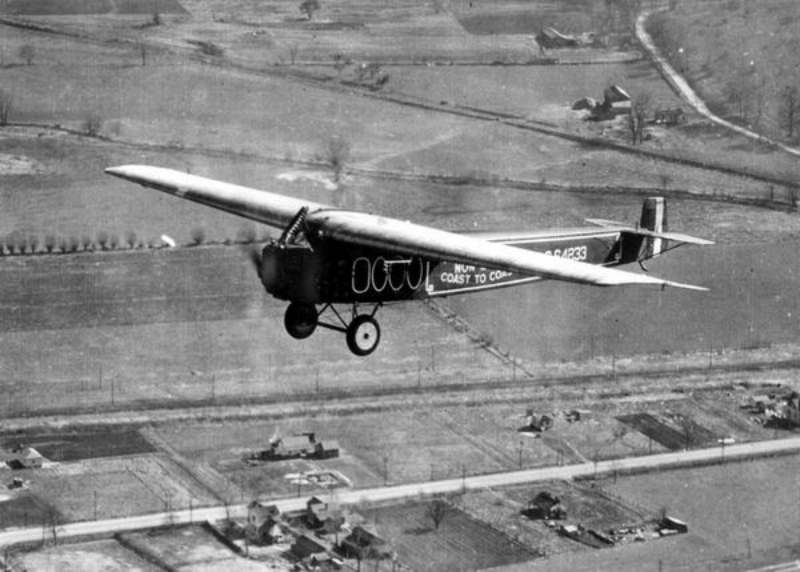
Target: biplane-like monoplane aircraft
(327, 256)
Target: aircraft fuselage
(333, 272)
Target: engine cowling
(292, 272)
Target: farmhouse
(21, 457)
(304, 445)
(545, 506)
(262, 523)
(328, 516)
(362, 544)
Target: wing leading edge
(379, 232)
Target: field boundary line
(180, 461)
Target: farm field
(115, 487)
(73, 445)
(98, 555)
(459, 543)
(187, 547)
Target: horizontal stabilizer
(674, 236)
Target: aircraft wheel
(300, 320)
(363, 335)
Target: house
(545, 506)
(304, 445)
(669, 116)
(262, 523)
(550, 38)
(362, 544)
(327, 516)
(22, 457)
(536, 423)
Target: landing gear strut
(362, 331)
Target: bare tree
(6, 104)
(198, 236)
(293, 49)
(338, 155)
(339, 63)
(436, 511)
(27, 53)
(308, 7)
(637, 115)
(131, 239)
(788, 111)
(53, 521)
(92, 125)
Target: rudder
(654, 218)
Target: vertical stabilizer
(654, 218)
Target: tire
(363, 335)
(300, 320)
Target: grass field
(72, 446)
(24, 510)
(85, 7)
(93, 556)
(734, 508)
(740, 56)
(460, 542)
(186, 547)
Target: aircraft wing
(378, 232)
(268, 208)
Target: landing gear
(362, 331)
(363, 335)
(300, 320)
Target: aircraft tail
(654, 219)
(650, 238)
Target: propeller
(255, 260)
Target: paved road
(648, 462)
(684, 89)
